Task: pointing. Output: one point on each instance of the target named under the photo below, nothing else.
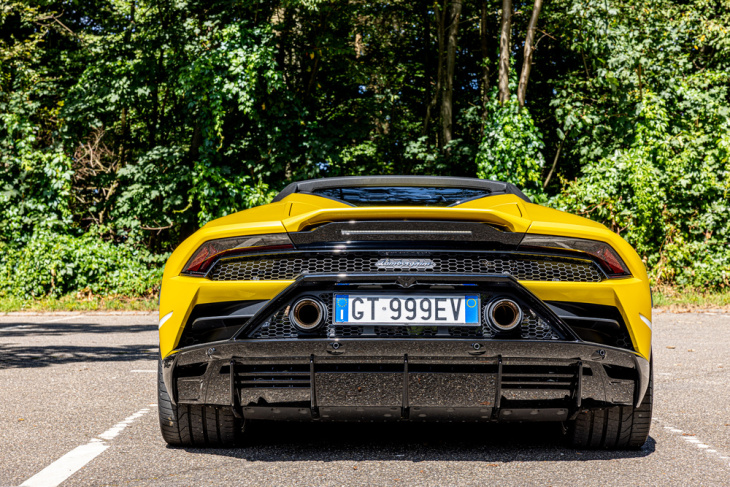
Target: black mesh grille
(534, 328)
(288, 266)
(623, 340)
(279, 326)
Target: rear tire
(195, 425)
(616, 428)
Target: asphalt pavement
(78, 407)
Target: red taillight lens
(211, 250)
(601, 251)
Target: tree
(138, 121)
(447, 103)
(529, 50)
(505, 47)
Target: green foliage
(511, 149)
(35, 185)
(652, 132)
(50, 264)
(147, 119)
(249, 75)
(78, 302)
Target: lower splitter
(402, 379)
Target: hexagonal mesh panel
(535, 328)
(544, 270)
(623, 340)
(279, 325)
(291, 266)
(344, 331)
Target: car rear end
(417, 313)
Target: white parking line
(65, 318)
(692, 440)
(73, 461)
(16, 327)
(67, 465)
(112, 432)
(144, 370)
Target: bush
(52, 264)
(670, 201)
(647, 122)
(511, 149)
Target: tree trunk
(125, 127)
(504, 50)
(195, 142)
(426, 64)
(314, 55)
(529, 50)
(484, 37)
(555, 163)
(154, 120)
(447, 100)
(440, 18)
(281, 20)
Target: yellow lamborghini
(405, 298)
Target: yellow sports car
(405, 298)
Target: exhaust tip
(504, 314)
(307, 314)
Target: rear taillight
(600, 251)
(210, 251)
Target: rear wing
(317, 217)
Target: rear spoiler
(313, 218)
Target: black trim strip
(579, 386)
(313, 389)
(405, 407)
(498, 385)
(235, 406)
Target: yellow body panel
(631, 296)
(298, 211)
(181, 294)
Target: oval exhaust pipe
(504, 314)
(307, 314)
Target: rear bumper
(402, 379)
(630, 296)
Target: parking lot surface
(78, 407)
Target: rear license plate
(371, 309)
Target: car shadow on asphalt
(24, 329)
(413, 442)
(13, 356)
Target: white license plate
(378, 309)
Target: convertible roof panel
(314, 186)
